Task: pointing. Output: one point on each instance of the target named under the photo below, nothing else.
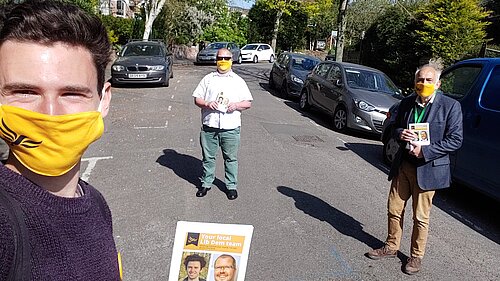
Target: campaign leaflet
(222, 102)
(220, 249)
(422, 131)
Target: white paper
(210, 240)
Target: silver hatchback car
(358, 97)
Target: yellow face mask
(49, 145)
(224, 65)
(424, 90)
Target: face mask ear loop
(100, 102)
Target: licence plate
(137, 75)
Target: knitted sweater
(70, 238)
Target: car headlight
(118, 67)
(363, 105)
(157, 67)
(296, 79)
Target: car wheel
(166, 82)
(391, 147)
(240, 59)
(304, 101)
(271, 59)
(340, 119)
(255, 59)
(271, 80)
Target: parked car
(358, 97)
(289, 72)
(257, 52)
(208, 55)
(147, 62)
(475, 83)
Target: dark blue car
(289, 73)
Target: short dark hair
(51, 21)
(226, 256)
(195, 257)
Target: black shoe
(232, 194)
(202, 191)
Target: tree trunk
(339, 52)
(152, 9)
(276, 28)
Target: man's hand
(211, 105)
(417, 150)
(408, 135)
(232, 106)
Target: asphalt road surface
(316, 198)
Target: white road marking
(342, 140)
(169, 108)
(314, 123)
(152, 127)
(92, 161)
(172, 97)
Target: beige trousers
(404, 186)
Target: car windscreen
(370, 80)
(307, 64)
(216, 46)
(142, 50)
(250, 47)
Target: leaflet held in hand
(422, 131)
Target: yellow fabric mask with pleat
(49, 145)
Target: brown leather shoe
(413, 265)
(382, 253)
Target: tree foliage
(322, 17)
(451, 28)
(120, 29)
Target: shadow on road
(186, 167)
(342, 222)
(466, 205)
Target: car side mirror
(337, 82)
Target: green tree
(120, 29)
(280, 8)
(493, 29)
(389, 45)
(451, 29)
(230, 26)
(261, 23)
(321, 18)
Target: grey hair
(436, 64)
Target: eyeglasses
(223, 58)
(226, 267)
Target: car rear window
(457, 82)
(490, 98)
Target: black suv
(143, 61)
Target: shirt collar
(227, 74)
(417, 100)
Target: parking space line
(92, 162)
(152, 127)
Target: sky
(247, 4)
